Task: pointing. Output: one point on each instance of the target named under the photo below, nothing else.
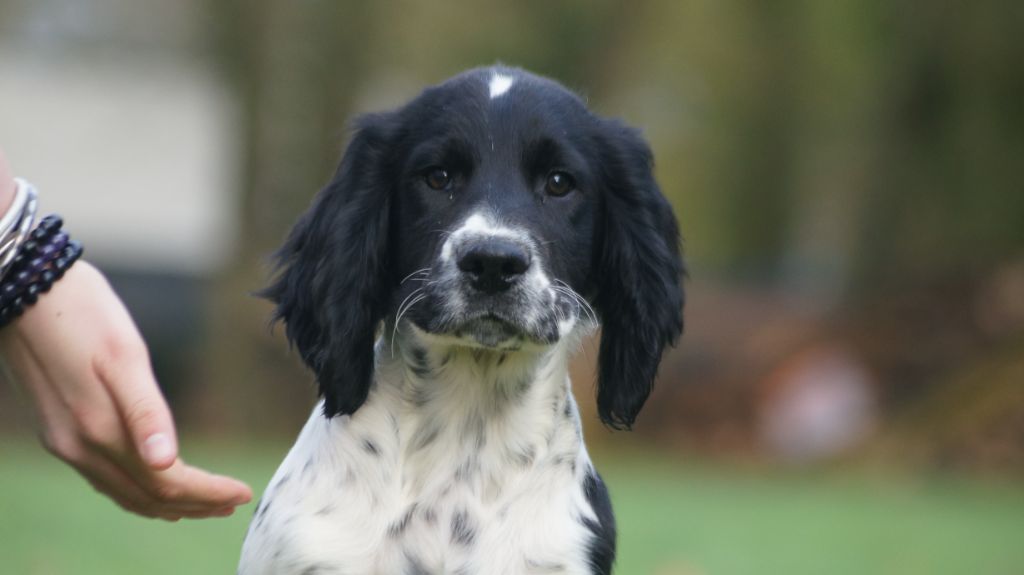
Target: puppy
(437, 287)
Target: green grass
(673, 520)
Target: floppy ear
(333, 287)
(639, 276)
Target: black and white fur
(437, 287)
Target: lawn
(674, 519)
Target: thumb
(154, 435)
(143, 409)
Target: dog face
(495, 228)
(493, 211)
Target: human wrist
(31, 259)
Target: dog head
(493, 211)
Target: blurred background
(848, 176)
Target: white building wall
(114, 109)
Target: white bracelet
(21, 190)
(16, 224)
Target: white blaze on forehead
(476, 223)
(500, 84)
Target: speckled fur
(475, 468)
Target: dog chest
(345, 503)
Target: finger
(115, 484)
(126, 484)
(183, 483)
(110, 480)
(225, 512)
(183, 489)
(127, 375)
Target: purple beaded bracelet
(41, 260)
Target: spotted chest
(434, 485)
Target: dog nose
(493, 265)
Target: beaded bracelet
(41, 260)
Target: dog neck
(484, 411)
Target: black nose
(493, 265)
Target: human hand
(81, 360)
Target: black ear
(639, 275)
(333, 286)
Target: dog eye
(438, 178)
(559, 184)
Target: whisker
(580, 302)
(398, 319)
(415, 273)
(415, 301)
(558, 311)
(394, 329)
(402, 308)
(412, 294)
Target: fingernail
(157, 448)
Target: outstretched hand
(81, 360)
